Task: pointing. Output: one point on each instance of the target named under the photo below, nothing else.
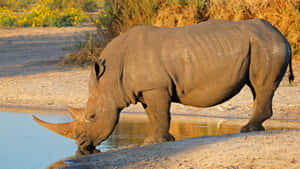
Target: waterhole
(25, 144)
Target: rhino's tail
(291, 75)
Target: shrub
(120, 15)
(90, 47)
(41, 15)
(7, 17)
(86, 5)
(71, 16)
(45, 14)
(172, 13)
(283, 14)
(16, 13)
(16, 4)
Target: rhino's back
(210, 55)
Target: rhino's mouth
(98, 141)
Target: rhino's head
(96, 121)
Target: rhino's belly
(211, 95)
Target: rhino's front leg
(157, 105)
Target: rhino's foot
(156, 139)
(86, 150)
(81, 152)
(252, 127)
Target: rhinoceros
(199, 65)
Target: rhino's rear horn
(76, 113)
(63, 129)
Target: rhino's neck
(117, 91)
(109, 123)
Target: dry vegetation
(283, 14)
(120, 15)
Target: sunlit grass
(283, 14)
(18, 13)
(120, 15)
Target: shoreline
(134, 113)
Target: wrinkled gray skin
(199, 65)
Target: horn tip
(70, 108)
(35, 118)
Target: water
(26, 145)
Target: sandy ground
(34, 50)
(238, 151)
(31, 80)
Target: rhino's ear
(98, 69)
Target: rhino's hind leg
(157, 105)
(262, 109)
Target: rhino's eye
(92, 116)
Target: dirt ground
(32, 80)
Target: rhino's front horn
(63, 129)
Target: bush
(16, 4)
(90, 47)
(44, 13)
(16, 13)
(41, 15)
(71, 16)
(85, 5)
(179, 13)
(7, 17)
(120, 15)
(283, 14)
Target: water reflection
(134, 132)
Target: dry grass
(172, 14)
(120, 15)
(283, 14)
(90, 47)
